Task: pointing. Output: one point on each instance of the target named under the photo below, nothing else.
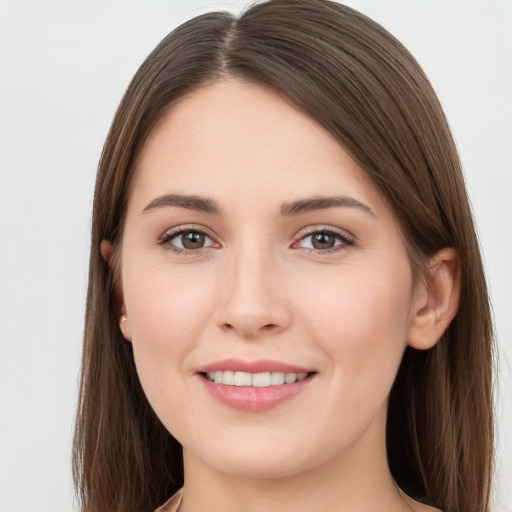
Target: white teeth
(276, 378)
(290, 377)
(258, 380)
(229, 378)
(242, 379)
(261, 380)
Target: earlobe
(106, 250)
(107, 253)
(436, 300)
(124, 325)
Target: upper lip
(259, 366)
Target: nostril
(249, 331)
(228, 327)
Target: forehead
(236, 140)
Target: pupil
(193, 240)
(323, 241)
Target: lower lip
(253, 399)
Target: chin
(262, 459)
(258, 467)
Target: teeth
(261, 380)
(243, 379)
(276, 378)
(290, 377)
(228, 378)
(257, 380)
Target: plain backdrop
(63, 68)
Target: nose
(253, 299)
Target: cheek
(360, 320)
(166, 305)
(167, 312)
(360, 323)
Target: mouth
(254, 386)
(255, 380)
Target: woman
(286, 307)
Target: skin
(260, 289)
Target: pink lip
(248, 398)
(260, 366)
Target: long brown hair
(363, 86)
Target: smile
(254, 386)
(256, 380)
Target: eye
(186, 240)
(324, 240)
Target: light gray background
(63, 68)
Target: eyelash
(345, 241)
(166, 238)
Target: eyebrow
(323, 203)
(202, 204)
(190, 202)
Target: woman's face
(256, 251)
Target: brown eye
(192, 240)
(186, 240)
(323, 240)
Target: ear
(436, 300)
(107, 253)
